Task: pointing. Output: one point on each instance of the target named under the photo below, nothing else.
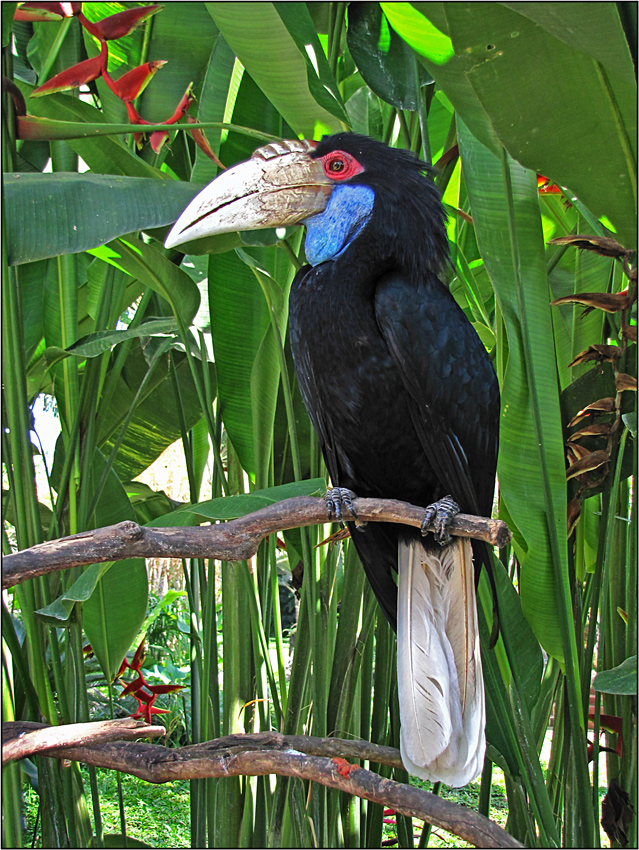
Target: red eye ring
(339, 165)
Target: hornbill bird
(402, 395)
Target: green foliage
(141, 346)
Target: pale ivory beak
(279, 185)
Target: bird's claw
(339, 501)
(440, 514)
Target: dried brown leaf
(574, 512)
(594, 429)
(598, 353)
(575, 451)
(616, 813)
(610, 303)
(593, 460)
(599, 244)
(602, 405)
(625, 382)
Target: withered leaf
(602, 405)
(575, 451)
(593, 460)
(574, 512)
(340, 534)
(625, 382)
(610, 303)
(616, 813)
(599, 244)
(598, 353)
(594, 429)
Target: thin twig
(230, 541)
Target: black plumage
(398, 385)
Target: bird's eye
(339, 165)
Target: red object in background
(76, 75)
(118, 25)
(127, 88)
(133, 83)
(141, 691)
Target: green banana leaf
(55, 214)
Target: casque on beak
(279, 185)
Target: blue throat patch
(329, 233)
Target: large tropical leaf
(216, 103)
(248, 292)
(232, 507)
(543, 115)
(274, 61)
(148, 264)
(115, 611)
(425, 29)
(383, 58)
(156, 422)
(531, 461)
(54, 214)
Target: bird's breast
(351, 383)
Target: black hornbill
(403, 397)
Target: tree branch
(313, 759)
(22, 739)
(230, 541)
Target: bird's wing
(452, 385)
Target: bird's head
(336, 187)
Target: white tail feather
(441, 688)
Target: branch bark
(22, 739)
(230, 541)
(314, 759)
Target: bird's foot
(440, 514)
(339, 502)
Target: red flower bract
(144, 694)
(46, 11)
(119, 25)
(77, 75)
(133, 83)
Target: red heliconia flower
(132, 84)
(77, 75)
(134, 685)
(138, 658)
(141, 691)
(165, 689)
(123, 667)
(203, 143)
(546, 187)
(146, 711)
(590, 751)
(158, 139)
(119, 25)
(134, 118)
(186, 100)
(35, 15)
(608, 723)
(46, 11)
